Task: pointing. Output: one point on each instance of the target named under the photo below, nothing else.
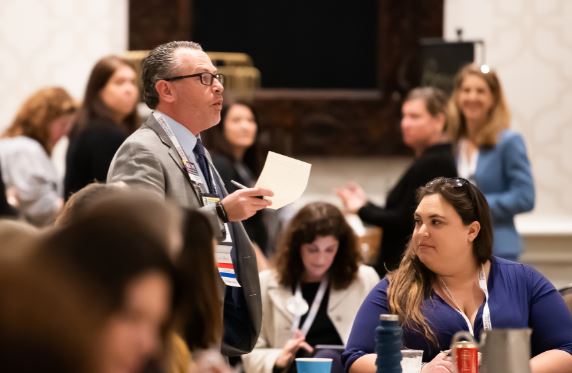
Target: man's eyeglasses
(206, 78)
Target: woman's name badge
(297, 306)
(223, 258)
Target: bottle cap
(388, 317)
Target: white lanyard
(223, 256)
(313, 309)
(487, 325)
(189, 167)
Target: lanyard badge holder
(487, 324)
(223, 250)
(298, 307)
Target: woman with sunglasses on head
(490, 154)
(107, 116)
(312, 295)
(423, 127)
(448, 281)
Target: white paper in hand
(286, 177)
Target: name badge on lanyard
(297, 298)
(223, 256)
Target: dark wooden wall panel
(153, 22)
(332, 122)
(402, 23)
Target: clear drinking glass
(411, 361)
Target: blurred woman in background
(44, 325)
(6, 211)
(30, 177)
(199, 318)
(18, 239)
(126, 275)
(235, 152)
(423, 128)
(317, 264)
(107, 116)
(189, 240)
(490, 154)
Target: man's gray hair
(160, 64)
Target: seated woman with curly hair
(313, 294)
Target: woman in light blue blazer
(490, 154)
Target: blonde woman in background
(491, 155)
(29, 175)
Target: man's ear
(474, 229)
(165, 91)
(442, 120)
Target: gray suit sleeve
(136, 165)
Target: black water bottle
(388, 344)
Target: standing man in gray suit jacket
(166, 156)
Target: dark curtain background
(295, 43)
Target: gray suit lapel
(156, 127)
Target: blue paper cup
(313, 365)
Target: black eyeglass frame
(217, 76)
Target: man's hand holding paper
(243, 203)
(286, 177)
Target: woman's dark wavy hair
(313, 220)
(216, 142)
(93, 106)
(412, 282)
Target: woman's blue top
(519, 297)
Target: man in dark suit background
(166, 156)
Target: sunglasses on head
(455, 182)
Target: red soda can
(466, 356)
